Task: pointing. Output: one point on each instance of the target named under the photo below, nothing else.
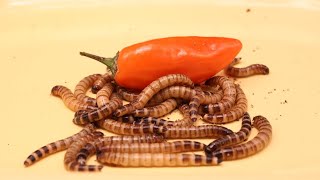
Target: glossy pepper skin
(197, 57)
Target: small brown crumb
(248, 10)
(252, 106)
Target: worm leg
(157, 111)
(104, 93)
(234, 138)
(152, 89)
(155, 159)
(69, 100)
(258, 143)
(100, 82)
(229, 94)
(56, 146)
(83, 86)
(232, 114)
(246, 71)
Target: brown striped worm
(229, 94)
(126, 95)
(152, 89)
(194, 105)
(255, 145)
(69, 100)
(104, 93)
(83, 86)
(70, 158)
(129, 129)
(100, 113)
(233, 114)
(246, 71)
(100, 82)
(157, 111)
(163, 147)
(155, 159)
(234, 138)
(56, 146)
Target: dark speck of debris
(248, 10)
(284, 102)
(270, 92)
(253, 50)
(8, 144)
(274, 89)
(253, 94)
(252, 106)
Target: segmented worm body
(155, 159)
(233, 114)
(164, 147)
(129, 129)
(100, 82)
(229, 94)
(258, 143)
(152, 89)
(157, 111)
(69, 100)
(100, 113)
(194, 105)
(70, 158)
(57, 146)
(126, 95)
(83, 86)
(246, 71)
(104, 93)
(234, 138)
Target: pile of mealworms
(144, 137)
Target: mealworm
(190, 132)
(234, 113)
(246, 71)
(129, 129)
(155, 159)
(234, 138)
(83, 86)
(69, 100)
(194, 105)
(229, 94)
(157, 111)
(151, 89)
(126, 95)
(104, 93)
(70, 158)
(56, 146)
(100, 113)
(258, 143)
(164, 147)
(100, 82)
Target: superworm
(191, 132)
(233, 114)
(194, 105)
(100, 82)
(255, 145)
(163, 147)
(69, 100)
(70, 158)
(126, 95)
(104, 93)
(156, 159)
(129, 129)
(83, 86)
(100, 113)
(157, 111)
(234, 138)
(56, 146)
(152, 89)
(229, 94)
(246, 71)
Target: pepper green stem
(111, 63)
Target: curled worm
(104, 93)
(126, 95)
(56, 146)
(152, 89)
(255, 145)
(246, 71)
(157, 111)
(229, 94)
(129, 129)
(234, 138)
(100, 113)
(232, 114)
(83, 86)
(69, 100)
(100, 82)
(70, 158)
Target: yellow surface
(40, 42)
